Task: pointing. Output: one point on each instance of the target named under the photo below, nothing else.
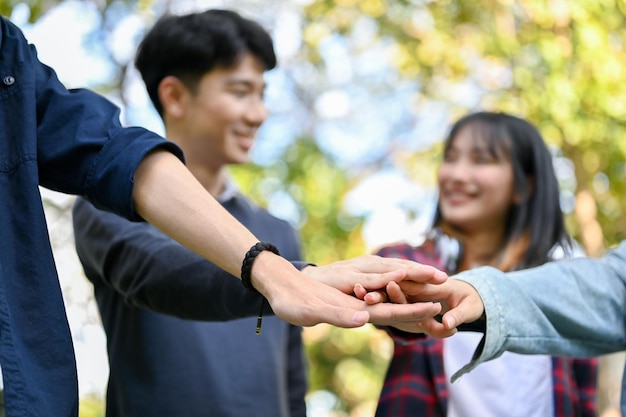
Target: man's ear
(173, 95)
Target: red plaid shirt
(416, 384)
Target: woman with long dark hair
(498, 206)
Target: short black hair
(188, 46)
(538, 218)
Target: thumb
(452, 318)
(463, 313)
(349, 318)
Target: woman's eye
(483, 158)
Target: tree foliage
(559, 64)
(307, 176)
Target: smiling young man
(205, 75)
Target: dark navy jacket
(180, 366)
(69, 141)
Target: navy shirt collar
(230, 191)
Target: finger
(425, 273)
(413, 327)
(415, 270)
(359, 291)
(387, 314)
(370, 297)
(376, 281)
(436, 329)
(412, 272)
(450, 319)
(375, 297)
(379, 264)
(458, 316)
(395, 293)
(424, 291)
(344, 317)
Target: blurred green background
(360, 103)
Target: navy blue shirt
(168, 366)
(66, 140)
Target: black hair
(189, 46)
(537, 221)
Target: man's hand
(373, 272)
(304, 301)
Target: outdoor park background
(363, 96)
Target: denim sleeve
(82, 147)
(568, 308)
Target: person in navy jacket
(205, 72)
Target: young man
(72, 141)
(205, 75)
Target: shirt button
(8, 80)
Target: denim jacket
(572, 308)
(66, 140)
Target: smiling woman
(489, 186)
(498, 206)
(476, 183)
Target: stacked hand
(460, 302)
(324, 295)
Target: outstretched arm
(169, 197)
(566, 308)
(148, 269)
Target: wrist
(246, 273)
(250, 258)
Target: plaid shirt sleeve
(575, 387)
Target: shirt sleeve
(150, 270)
(569, 308)
(82, 147)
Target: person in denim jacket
(498, 206)
(574, 308)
